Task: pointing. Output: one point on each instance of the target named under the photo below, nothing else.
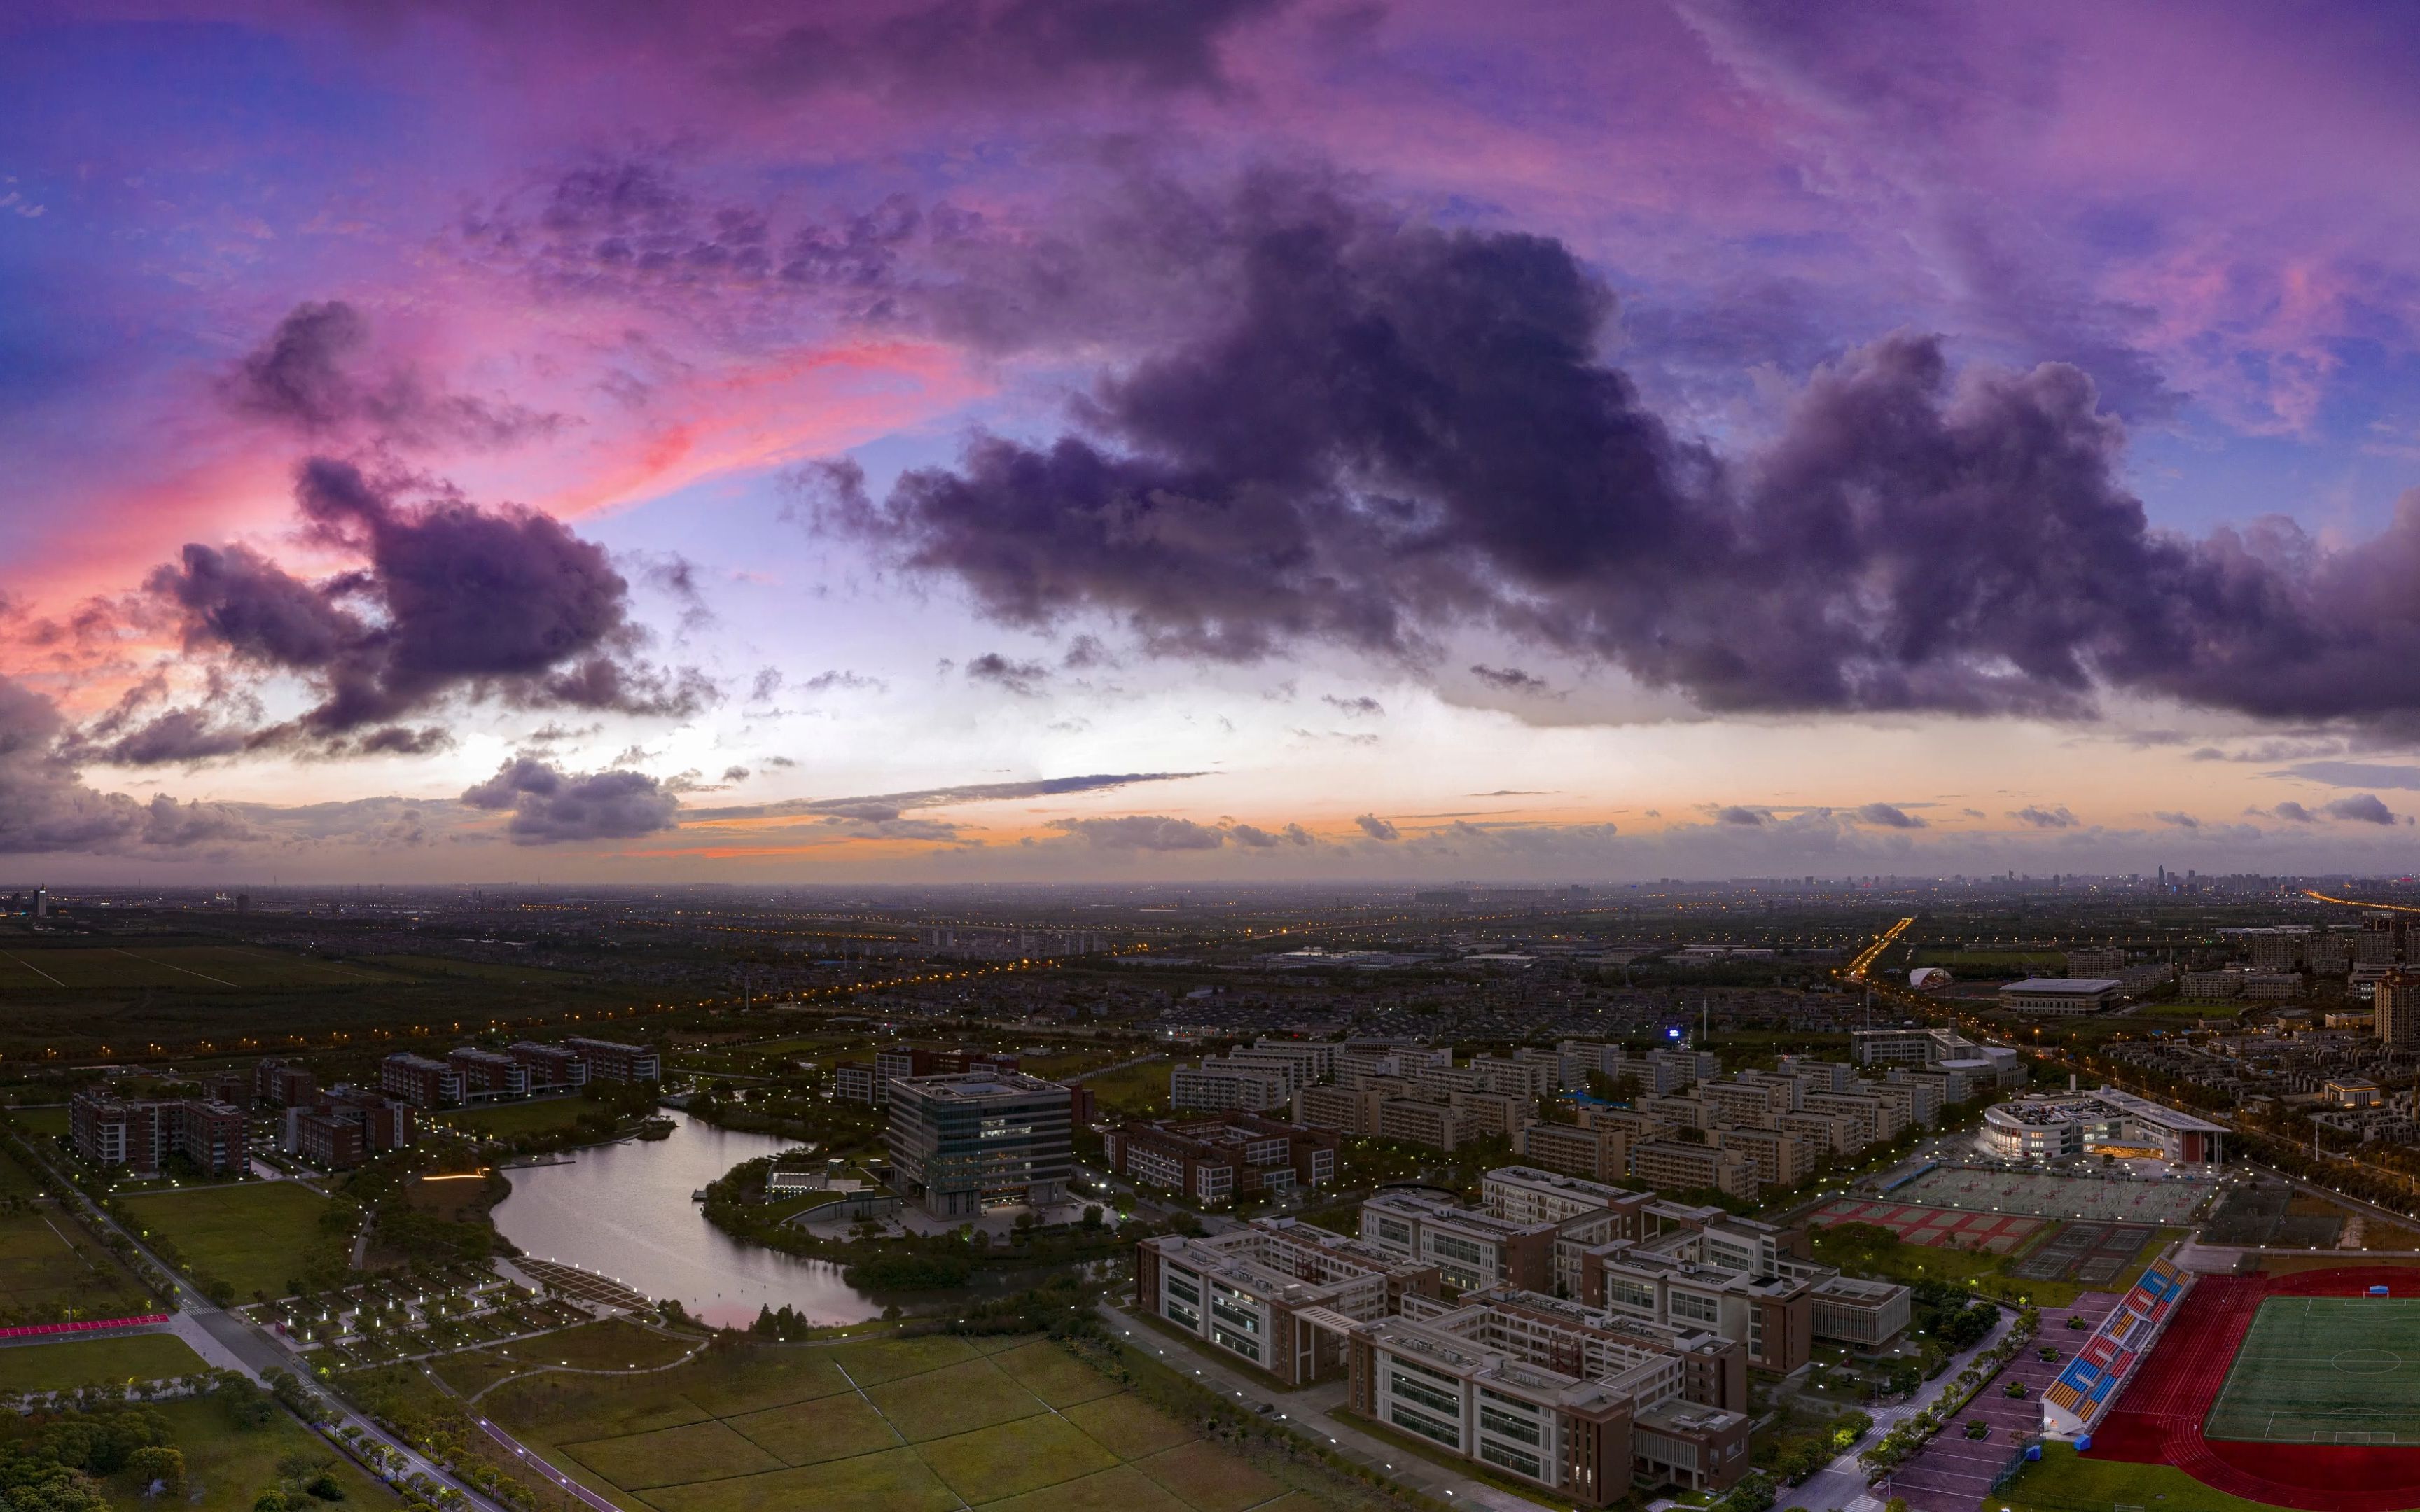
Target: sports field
(2324, 1371)
(922, 1425)
(1992, 1233)
(2044, 1194)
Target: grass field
(45, 1121)
(51, 1270)
(227, 1467)
(1133, 1089)
(612, 1345)
(255, 1236)
(2063, 1481)
(922, 1425)
(2324, 1371)
(96, 1362)
(44, 969)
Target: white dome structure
(1925, 979)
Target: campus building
(420, 1080)
(1471, 1249)
(1566, 1398)
(1215, 1086)
(279, 1084)
(2062, 996)
(1214, 1161)
(957, 1141)
(486, 1074)
(611, 1061)
(551, 1067)
(141, 1136)
(1279, 1294)
(2065, 1125)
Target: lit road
(1867, 957)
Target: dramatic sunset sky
(1197, 439)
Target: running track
(2157, 1420)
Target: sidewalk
(1308, 1410)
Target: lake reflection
(623, 1210)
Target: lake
(623, 1210)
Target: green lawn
(96, 1362)
(2062, 1481)
(1133, 1089)
(880, 1424)
(43, 1120)
(227, 1467)
(254, 1234)
(52, 1269)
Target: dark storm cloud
(452, 599)
(1507, 679)
(46, 807)
(2291, 810)
(956, 49)
(2364, 808)
(1022, 678)
(1383, 430)
(317, 373)
(1889, 817)
(1377, 828)
(1735, 815)
(1253, 837)
(2183, 821)
(550, 807)
(2041, 818)
(1143, 832)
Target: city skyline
(1264, 440)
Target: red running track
(2157, 1420)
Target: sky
(938, 440)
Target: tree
(159, 1464)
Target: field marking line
(39, 972)
(148, 962)
(964, 1504)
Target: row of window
(1404, 1417)
(1414, 1389)
(1519, 1462)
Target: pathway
(1952, 1472)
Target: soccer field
(2324, 1371)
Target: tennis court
(2160, 1204)
(2324, 1371)
(1994, 1233)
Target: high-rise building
(2397, 1010)
(956, 1141)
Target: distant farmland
(80, 997)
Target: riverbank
(905, 1262)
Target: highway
(1867, 957)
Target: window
(1247, 1346)
(1632, 1294)
(1703, 1309)
(1179, 1313)
(1456, 1249)
(1404, 1417)
(1495, 1420)
(1511, 1459)
(1394, 1232)
(1414, 1389)
(1182, 1284)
